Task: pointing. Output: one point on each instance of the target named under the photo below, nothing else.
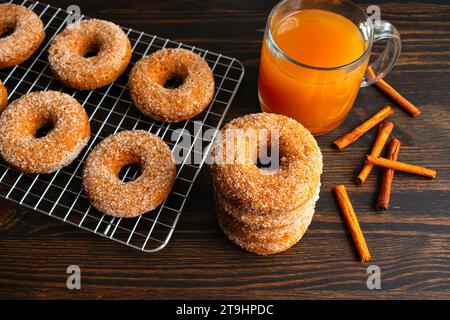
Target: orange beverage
(319, 38)
(311, 67)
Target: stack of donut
(265, 212)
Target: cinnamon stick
(388, 176)
(352, 222)
(394, 95)
(380, 142)
(356, 133)
(401, 166)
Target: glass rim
(285, 56)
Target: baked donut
(108, 194)
(24, 32)
(283, 243)
(21, 120)
(3, 96)
(263, 236)
(69, 54)
(262, 233)
(255, 219)
(293, 184)
(192, 96)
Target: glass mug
(321, 96)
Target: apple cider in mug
(313, 61)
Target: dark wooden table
(410, 243)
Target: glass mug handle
(386, 61)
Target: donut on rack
(89, 54)
(3, 96)
(21, 34)
(22, 146)
(148, 85)
(265, 212)
(109, 194)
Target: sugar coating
(267, 247)
(251, 188)
(67, 54)
(265, 238)
(108, 194)
(147, 78)
(255, 219)
(24, 116)
(260, 233)
(3, 96)
(28, 34)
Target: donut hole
(174, 81)
(263, 163)
(130, 172)
(89, 46)
(269, 154)
(6, 31)
(269, 163)
(44, 129)
(91, 51)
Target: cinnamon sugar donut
(262, 233)
(3, 96)
(192, 96)
(68, 54)
(263, 244)
(22, 119)
(292, 185)
(109, 194)
(26, 33)
(255, 219)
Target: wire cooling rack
(110, 110)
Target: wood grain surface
(410, 243)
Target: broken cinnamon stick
(401, 166)
(386, 182)
(394, 94)
(380, 142)
(356, 133)
(352, 222)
